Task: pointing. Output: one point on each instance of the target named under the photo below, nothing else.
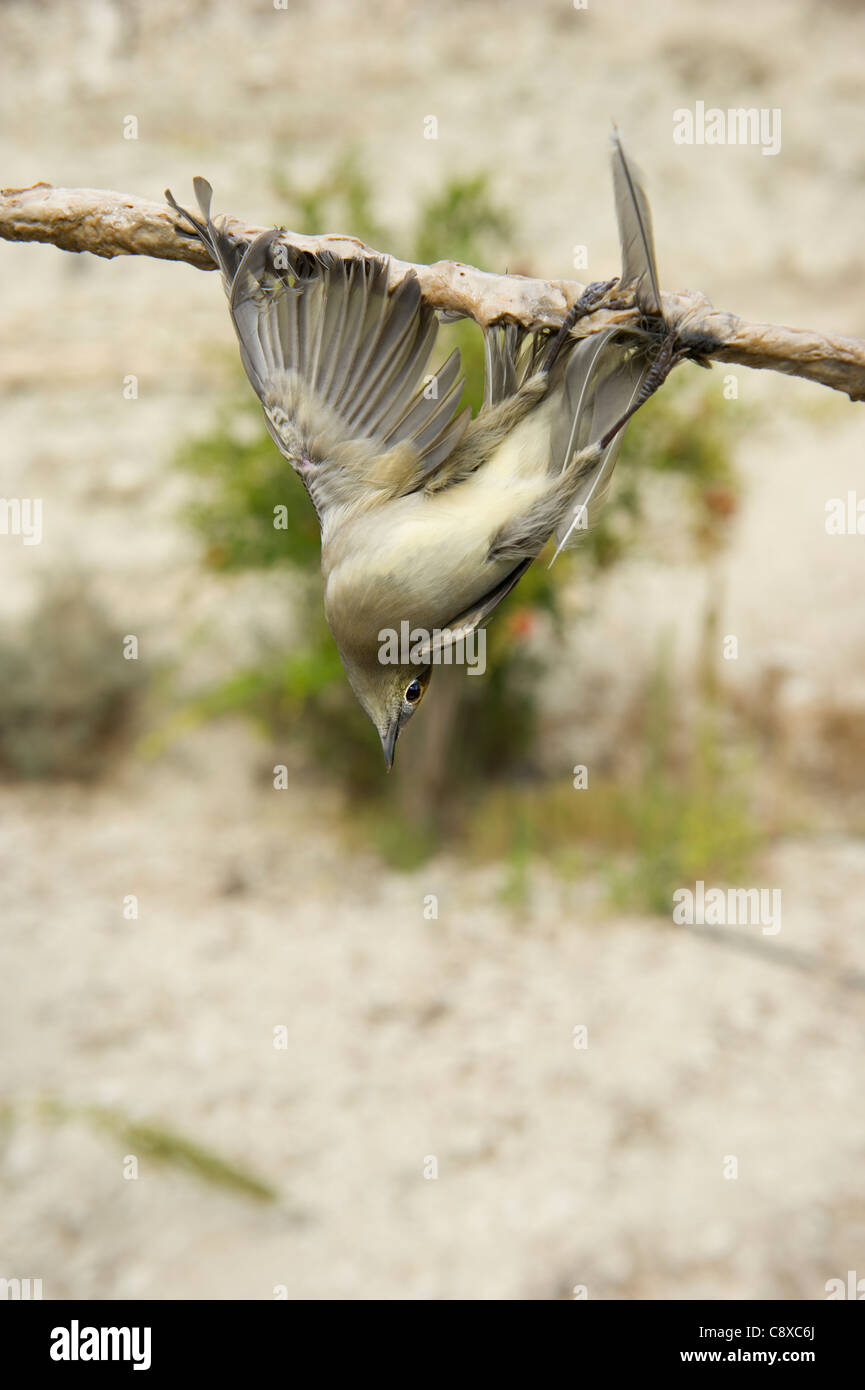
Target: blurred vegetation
(481, 773)
(67, 693)
(150, 1141)
(686, 815)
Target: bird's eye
(413, 692)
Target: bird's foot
(669, 353)
(588, 301)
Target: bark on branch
(118, 224)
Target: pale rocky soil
(410, 1037)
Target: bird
(430, 517)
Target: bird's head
(390, 695)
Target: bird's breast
(424, 557)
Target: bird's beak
(388, 743)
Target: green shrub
(67, 693)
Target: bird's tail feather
(634, 217)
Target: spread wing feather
(336, 358)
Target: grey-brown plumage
(427, 516)
(634, 218)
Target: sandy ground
(407, 1037)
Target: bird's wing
(512, 354)
(337, 361)
(602, 378)
(604, 373)
(593, 381)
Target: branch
(118, 224)
(806, 961)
